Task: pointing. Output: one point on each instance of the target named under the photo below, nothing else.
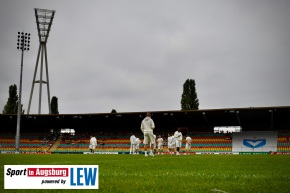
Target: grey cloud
(135, 56)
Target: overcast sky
(134, 56)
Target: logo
(254, 143)
(51, 177)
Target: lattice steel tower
(44, 19)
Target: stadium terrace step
(202, 142)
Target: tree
(189, 100)
(54, 105)
(11, 106)
(113, 111)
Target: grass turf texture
(170, 173)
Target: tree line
(11, 106)
(189, 100)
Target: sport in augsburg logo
(254, 143)
(51, 177)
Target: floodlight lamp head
(22, 43)
(44, 19)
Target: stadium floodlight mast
(23, 43)
(44, 20)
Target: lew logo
(83, 176)
(254, 143)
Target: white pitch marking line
(216, 190)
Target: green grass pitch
(171, 173)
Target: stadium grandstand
(266, 130)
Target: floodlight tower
(23, 42)
(44, 19)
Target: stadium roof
(262, 118)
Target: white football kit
(147, 127)
(160, 143)
(188, 143)
(133, 143)
(93, 143)
(178, 138)
(169, 142)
